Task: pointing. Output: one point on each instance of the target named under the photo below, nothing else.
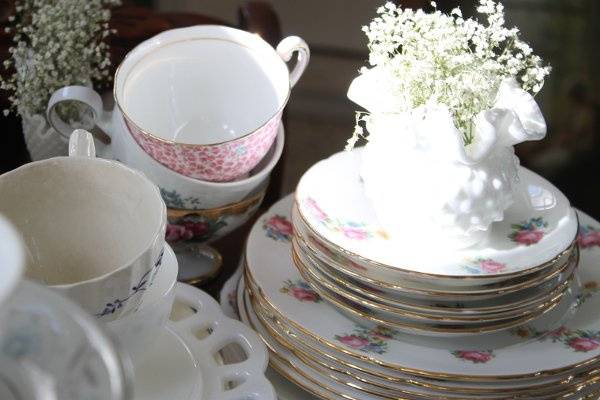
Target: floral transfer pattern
(145, 282)
(484, 266)
(279, 228)
(368, 340)
(173, 199)
(588, 290)
(577, 340)
(588, 237)
(529, 232)
(474, 356)
(301, 291)
(193, 227)
(349, 229)
(219, 162)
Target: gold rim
(444, 329)
(202, 279)
(171, 142)
(230, 209)
(409, 272)
(473, 294)
(394, 305)
(592, 376)
(319, 281)
(525, 283)
(428, 374)
(410, 381)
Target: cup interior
(80, 218)
(202, 85)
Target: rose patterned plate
(540, 348)
(536, 228)
(347, 380)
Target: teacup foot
(198, 262)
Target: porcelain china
(70, 210)
(539, 226)
(12, 257)
(219, 118)
(52, 349)
(549, 346)
(182, 192)
(138, 330)
(182, 365)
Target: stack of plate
(556, 355)
(521, 271)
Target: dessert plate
(549, 346)
(340, 380)
(182, 364)
(536, 228)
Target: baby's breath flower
(56, 43)
(449, 60)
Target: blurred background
(320, 118)
(565, 33)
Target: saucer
(547, 347)
(536, 228)
(181, 365)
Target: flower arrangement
(433, 58)
(447, 98)
(56, 43)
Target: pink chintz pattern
(474, 356)
(220, 162)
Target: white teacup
(94, 229)
(204, 101)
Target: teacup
(204, 101)
(182, 192)
(140, 328)
(93, 228)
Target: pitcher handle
(286, 49)
(81, 94)
(81, 144)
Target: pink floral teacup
(204, 101)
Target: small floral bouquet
(420, 58)
(446, 100)
(57, 43)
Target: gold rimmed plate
(553, 344)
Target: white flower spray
(56, 43)
(449, 60)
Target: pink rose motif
(583, 344)
(477, 357)
(491, 266)
(197, 228)
(558, 332)
(176, 233)
(355, 233)
(356, 342)
(281, 224)
(315, 209)
(528, 237)
(304, 294)
(589, 239)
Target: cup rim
(199, 29)
(161, 226)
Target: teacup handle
(84, 95)
(286, 49)
(81, 144)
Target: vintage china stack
(520, 272)
(331, 355)
(208, 134)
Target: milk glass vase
(425, 185)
